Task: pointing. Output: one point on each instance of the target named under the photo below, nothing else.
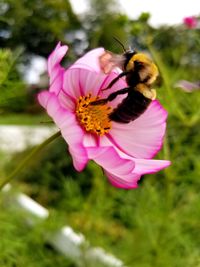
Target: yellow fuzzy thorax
(146, 61)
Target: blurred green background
(157, 224)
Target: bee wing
(109, 61)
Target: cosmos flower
(124, 151)
(188, 86)
(190, 22)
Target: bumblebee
(140, 73)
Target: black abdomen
(130, 108)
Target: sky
(162, 11)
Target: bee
(140, 73)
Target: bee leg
(115, 80)
(99, 102)
(110, 97)
(119, 92)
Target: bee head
(128, 54)
(143, 65)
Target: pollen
(94, 118)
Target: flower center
(94, 118)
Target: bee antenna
(119, 42)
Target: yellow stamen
(94, 118)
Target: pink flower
(124, 151)
(187, 86)
(190, 22)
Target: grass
(22, 246)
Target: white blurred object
(68, 243)
(17, 138)
(96, 255)
(31, 206)
(38, 66)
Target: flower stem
(28, 159)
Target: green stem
(28, 159)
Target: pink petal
(79, 156)
(55, 57)
(43, 98)
(191, 22)
(56, 84)
(91, 82)
(66, 101)
(128, 182)
(187, 86)
(110, 160)
(79, 82)
(71, 84)
(54, 69)
(90, 61)
(119, 170)
(70, 130)
(143, 137)
(90, 140)
(144, 166)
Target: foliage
(183, 48)
(21, 247)
(13, 94)
(37, 25)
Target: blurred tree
(139, 30)
(37, 25)
(105, 21)
(178, 45)
(13, 94)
